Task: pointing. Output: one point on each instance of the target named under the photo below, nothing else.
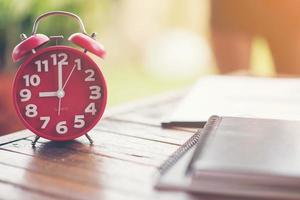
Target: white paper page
(274, 98)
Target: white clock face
(59, 93)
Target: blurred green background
(153, 46)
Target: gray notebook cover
(238, 156)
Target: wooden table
(129, 145)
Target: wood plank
(53, 186)
(77, 154)
(84, 166)
(155, 133)
(96, 171)
(14, 137)
(110, 177)
(143, 112)
(45, 184)
(9, 191)
(48, 149)
(61, 188)
(123, 147)
(118, 176)
(129, 152)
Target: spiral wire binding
(188, 145)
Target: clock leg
(89, 138)
(35, 140)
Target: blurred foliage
(125, 27)
(18, 17)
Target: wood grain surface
(129, 145)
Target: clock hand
(59, 76)
(61, 93)
(69, 76)
(47, 94)
(59, 106)
(60, 90)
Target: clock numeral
(91, 108)
(78, 63)
(46, 120)
(60, 58)
(61, 127)
(31, 110)
(78, 121)
(25, 95)
(90, 76)
(43, 63)
(33, 80)
(95, 92)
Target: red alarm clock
(59, 92)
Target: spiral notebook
(237, 96)
(235, 156)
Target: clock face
(59, 93)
